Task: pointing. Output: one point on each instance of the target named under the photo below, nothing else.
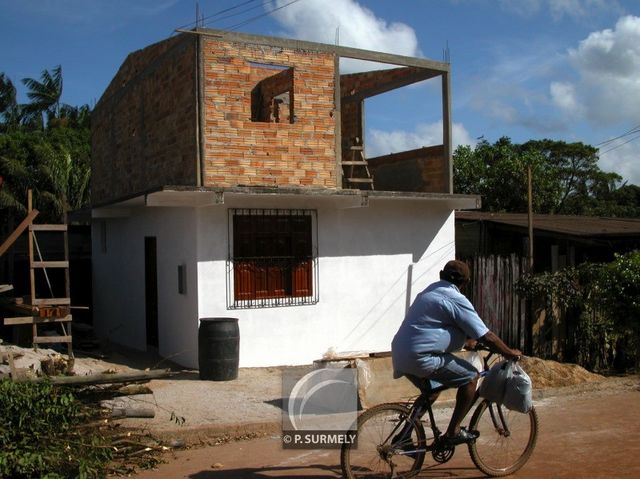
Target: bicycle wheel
(378, 452)
(495, 452)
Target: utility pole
(528, 333)
(530, 217)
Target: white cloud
(525, 8)
(508, 90)
(381, 142)
(623, 160)
(608, 65)
(355, 25)
(563, 95)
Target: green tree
(498, 172)
(53, 160)
(583, 184)
(45, 96)
(566, 178)
(65, 170)
(9, 108)
(54, 163)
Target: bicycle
(392, 443)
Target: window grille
(273, 258)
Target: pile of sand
(545, 373)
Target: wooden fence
(492, 292)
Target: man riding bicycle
(440, 321)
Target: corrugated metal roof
(571, 225)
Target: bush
(605, 302)
(40, 434)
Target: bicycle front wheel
(382, 450)
(507, 438)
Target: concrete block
(375, 378)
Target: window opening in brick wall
(273, 258)
(272, 97)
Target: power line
(220, 12)
(633, 130)
(257, 17)
(621, 144)
(219, 15)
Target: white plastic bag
(493, 383)
(517, 390)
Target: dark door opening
(151, 289)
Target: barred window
(272, 259)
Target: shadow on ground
(320, 471)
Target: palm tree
(9, 108)
(64, 182)
(44, 95)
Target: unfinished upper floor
(210, 108)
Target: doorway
(151, 289)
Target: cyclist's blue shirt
(439, 321)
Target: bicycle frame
(422, 405)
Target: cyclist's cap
(457, 271)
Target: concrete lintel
(346, 52)
(359, 201)
(188, 199)
(104, 213)
(455, 201)
(386, 86)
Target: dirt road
(593, 435)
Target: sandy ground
(250, 406)
(232, 428)
(585, 431)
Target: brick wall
(239, 151)
(351, 126)
(145, 125)
(356, 87)
(144, 129)
(423, 170)
(264, 106)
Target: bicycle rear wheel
(378, 452)
(496, 452)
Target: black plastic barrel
(218, 348)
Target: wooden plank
(133, 412)
(32, 273)
(107, 378)
(18, 231)
(359, 180)
(48, 227)
(51, 339)
(35, 319)
(355, 163)
(52, 301)
(12, 366)
(49, 264)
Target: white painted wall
(372, 262)
(119, 286)
(364, 259)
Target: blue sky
(527, 69)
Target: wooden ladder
(42, 311)
(357, 169)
